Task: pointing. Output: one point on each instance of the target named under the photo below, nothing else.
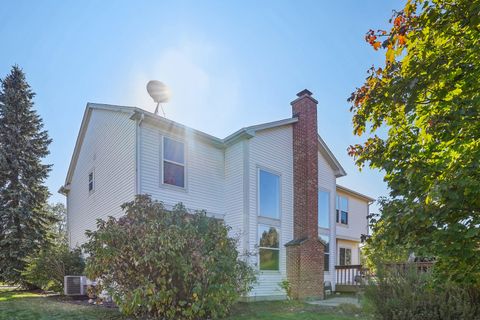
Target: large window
(345, 256)
(173, 162)
(326, 259)
(323, 209)
(269, 250)
(269, 194)
(342, 210)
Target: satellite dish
(159, 93)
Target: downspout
(138, 141)
(246, 197)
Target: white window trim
(91, 172)
(338, 204)
(351, 252)
(279, 251)
(184, 165)
(261, 168)
(320, 189)
(329, 253)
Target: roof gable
(140, 114)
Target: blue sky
(229, 64)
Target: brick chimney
(305, 252)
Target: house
(276, 179)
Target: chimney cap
(304, 92)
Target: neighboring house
(275, 180)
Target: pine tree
(24, 219)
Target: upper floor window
(323, 209)
(342, 210)
(269, 194)
(269, 249)
(91, 182)
(173, 162)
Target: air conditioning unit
(75, 285)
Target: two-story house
(275, 180)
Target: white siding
(109, 149)
(234, 196)
(357, 218)
(327, 182)
(272, 149)
(352, 245)
(205, 181)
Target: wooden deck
(349, 278)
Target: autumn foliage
(420, 116)
(167, 264)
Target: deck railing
(351, 274)
(356, 274)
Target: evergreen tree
(24, 219)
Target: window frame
(328, 209)
(92, 174)
(268, 248)
(345, 256)
(163, 160)
(275, 173)
(339, 212)
(326, 253)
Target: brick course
(305, 252)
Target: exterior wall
(109, 149)
(234, 192)
(327, 182)
(205, 180)
(222, 181)
(357, 218)
(271, 150)
(353, 245)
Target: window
(91, 182)
(269, 195)
(342, 210)
(269, 251)
(345, 256)
(173, 162)
(323, 209)
(326, 259)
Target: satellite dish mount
(159, 93)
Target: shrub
(47, 269)
(168, 264)
(413, 295)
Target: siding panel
(109, 149)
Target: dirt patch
(82, 300)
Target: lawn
(15, 305)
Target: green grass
(18, 305)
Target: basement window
(269, 250)
(91, 182)
(173, 162)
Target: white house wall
(108, 149)
(272, 150)
(327, 182)
(205, 181)
(357, 218)
(234, 188)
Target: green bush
(413, 295)
(167, 264)
(47, 269)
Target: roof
(355, 193)
(137, 113)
